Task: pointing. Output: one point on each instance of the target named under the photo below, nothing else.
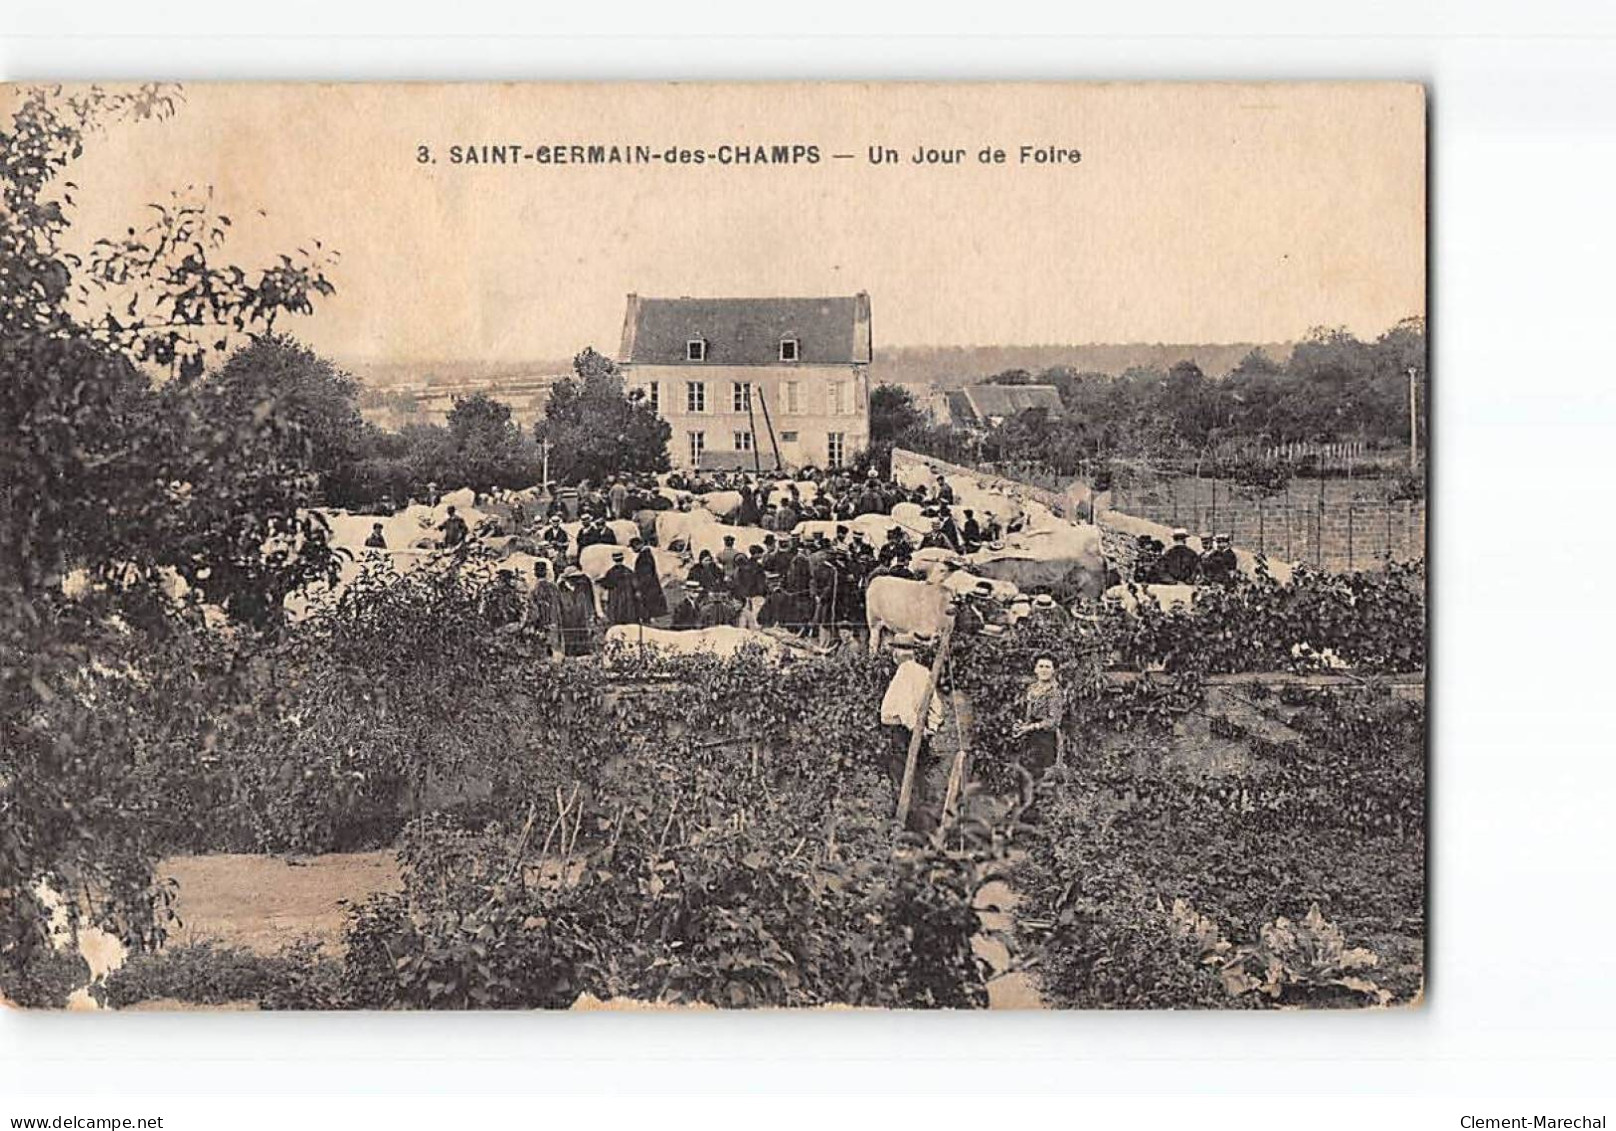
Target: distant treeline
(1331, 387)
(953, 366)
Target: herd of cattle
(1039, 552)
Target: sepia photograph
(627, 546)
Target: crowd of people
(809, 585)
(1180, 564)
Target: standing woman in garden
(1040, 728)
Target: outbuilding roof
(982, 404)
(747, 331)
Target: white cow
(807, 491)
(723, 504)
(900, 605)
(970, 495)
(723, 641)
(711, 537)
(875, 527)
(912, 517)
(912, 475)
(1063, 554)
(677, 526)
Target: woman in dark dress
(653, 602)
(1040, 728)
(577, 613)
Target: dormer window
(788, 349)
(696, 349)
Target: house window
(788, 349)
(696, 349)
(743, 441)
(835, 449)
(788, 437)
(793, 397)
(695, 396)
(836, 398)
(698, 445)
(653, 396)
(741, 397)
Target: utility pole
(751, 423)
(763, 403)
(1413, 420)
(545, 448)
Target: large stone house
(754, 382)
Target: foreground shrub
(207, 974)
(1146, 882)
(729, 917)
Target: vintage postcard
(569, 546)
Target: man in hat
(1045, 610)
(377, 540)
(950, 530)
(775, 558)
(900, 716)
(748, 513)
(590, 531)
(577, 599)
(895, 545)
(972, 531)
(706, 573)
(935, 539)
(869, 499)
(974, 608)
(799, 585)
(1219, 566)
(749, 586)
(619, 498)
(554, 536)
(727, 556)
(687, 613)
(454, 530)
(1180, 564)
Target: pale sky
(1197, 214)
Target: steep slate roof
(747, 331)
(977, 404)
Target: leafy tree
(276, 376)
(102, 469)
(487, 449)
(596, 429)
(893, 413)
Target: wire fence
(1321, 522)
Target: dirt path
(1007, 988)
(265, 903)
